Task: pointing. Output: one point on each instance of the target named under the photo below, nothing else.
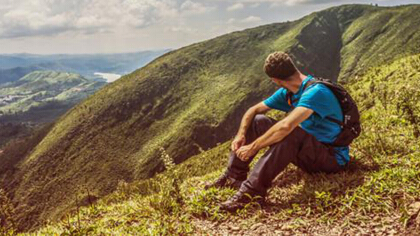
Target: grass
(374, 195)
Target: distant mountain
(42, 96)
(12, 65)
(11, 75)
(191, 99)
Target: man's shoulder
(317, 89)
(281, 92)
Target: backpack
(351, 127)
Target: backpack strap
(328, 83)
(290, 101)
(289, 94)
(341, 124)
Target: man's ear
(276, 80)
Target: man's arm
(276, 133)
(247, 118)
(249, 115)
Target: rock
(285, 227)
(234, 228)
(392, 232)
(418, 220)
(257, 225)
(414, 208)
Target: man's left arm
(276, 133)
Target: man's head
(279, 65)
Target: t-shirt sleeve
(317, 98)
(278, 101)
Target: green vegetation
(42, 96)
(191, 99)
(378, 37)
(9, 131)
(7, 224)
(13, 74)
(375, 194)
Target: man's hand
(238, 142)
(246, 121)
(245, 152)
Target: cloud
(231, 21)
(303, 2)
(277, 3)
(190, 7)
(251, 19)
(245, 21)
(23, 23)
(236, 6)
(21, 18)
(254, 3)
(185, 30)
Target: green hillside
(13, 74)
(9, 131)
(190, 100)
(42, 96)
(377, 195)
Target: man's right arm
(249, 115)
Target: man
(300, 138)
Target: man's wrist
(254, 146)
(240, 134)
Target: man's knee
(259, 125)
(260, 119)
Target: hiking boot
(240, 200)
(225, 181)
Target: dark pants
(299, 147)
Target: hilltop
(191, 99)
(13, 74)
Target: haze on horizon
(114, 26)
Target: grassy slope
(9, 131)
(185, 101)
(351, 39)
(379, 37)
(375, 195)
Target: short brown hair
(279, 65)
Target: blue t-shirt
(323, 102)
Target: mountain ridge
(84, 64)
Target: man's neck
(296, 82)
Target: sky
(113, 26)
